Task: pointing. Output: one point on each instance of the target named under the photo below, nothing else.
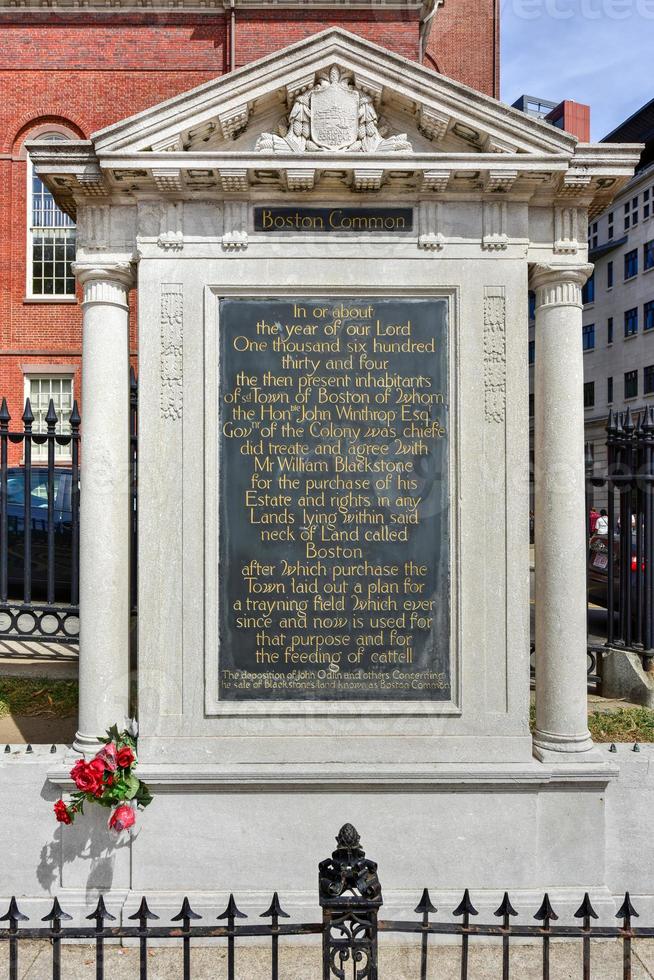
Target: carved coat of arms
(332, 115)
(335, 114)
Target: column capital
(558, 284)
(106, 282)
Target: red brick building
(79, 66)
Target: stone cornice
(74, 172)
(437, 777)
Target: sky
(600, 52)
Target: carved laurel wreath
(294, 131)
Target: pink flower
(108, 756)
(122, 818)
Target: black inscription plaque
(334, 499)
(335, 219)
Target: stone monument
(332, 250)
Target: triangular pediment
(291, 89)
(334, 111)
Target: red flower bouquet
(108, 779)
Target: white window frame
(30, 296)
(63, 454)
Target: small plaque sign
(271, 218)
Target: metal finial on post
(350, 896)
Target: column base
(552, 748)
(87, 745)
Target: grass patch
(617, 725)
(622, 725)
(38, 697)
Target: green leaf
(132, 784)
(143, 796)
(113, 733)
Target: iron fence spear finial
(425, 906)
(274, 910)
(505, 910)
(13, 915)
(546, 913)
(626, 912)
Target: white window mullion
(50, 239)
(40, 389)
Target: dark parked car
(39, 525)
(598, 574)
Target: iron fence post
(28, 419)
(142, 914)
(465, 908)
(5, 418)
(546, 915)
(350, 897)
(51, 423)
(610, 504)
(231, 913)
(55, 915)
(100, 915)
(13, 916)
(75, 422)
(184, 916)
(424, 908)
(648, 529)
(586, 912)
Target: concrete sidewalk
(304, 962)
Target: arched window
(50, 238)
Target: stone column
(104, 502)
(561, 706)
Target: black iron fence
(39, 523)
(350, 897)
(621, 545)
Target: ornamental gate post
(350, 895)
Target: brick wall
(261, 31)
(464, 43)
